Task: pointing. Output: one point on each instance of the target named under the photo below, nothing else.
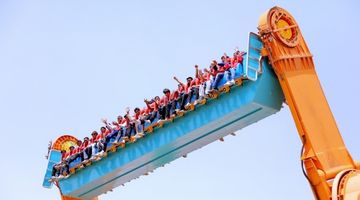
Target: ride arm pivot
(325, 154)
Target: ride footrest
(238, 81)
(190, 107)
(149, 129)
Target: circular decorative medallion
(64, 142)
(284, 27)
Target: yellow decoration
(284, 33)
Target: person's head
(63, 151)
(137, 110)
(86, 139)
(94, 133)
(71, 148)
(79, 142)
(166, 91)
(223, 58)
(157, 98)
(189, 79)
(120, 118)
(102, 129)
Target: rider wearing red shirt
(166, 104)
(152, 109)
(86, 145)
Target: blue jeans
(215, 83)
(230, 74)
(112, 135)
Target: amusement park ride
(259, 92)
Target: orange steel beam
(72, 198)
(325, 154)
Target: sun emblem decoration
(64, 142)
(284, 27)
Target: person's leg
(232, 72)
(207, 86)
(119, 135)
(152, 116)
(88, 152)
(162, 112)
(100, 146)
(202, 90)
(72, 158)
(196, 93)
(137, 125)
(217, 80)
(140, 125)
(112, 135)
(168, 110)
(173, 107)
(184, 97)
(190, 95)
(65, 169)
(93, 149)
(55, 171)
(228, 76)
(212, 81)
(81, 155)
(129, 131)
(132, 130)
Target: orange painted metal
(64, 142)
(325, 154)
(72, 198)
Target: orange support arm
(72, 198)
(325, 154)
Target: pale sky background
(65, 64)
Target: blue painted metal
(254, 57)
(54, 157)
(244, 105)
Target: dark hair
(191, 78)
(86, 138)
(166, 90)
(136, 109)
(94, 132)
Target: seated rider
(61, 168)
(108, 133)
(204, 79)
(184, 93)
(86, 146)
(167, 105)
(229, 71)
(96, 143)
(139, 122)
(152, 109)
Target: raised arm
(177, 80)
(107, 125)
(147, 103)
(196, 71)
(206, 70)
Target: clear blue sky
(65, 64)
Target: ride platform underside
(258, 97)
